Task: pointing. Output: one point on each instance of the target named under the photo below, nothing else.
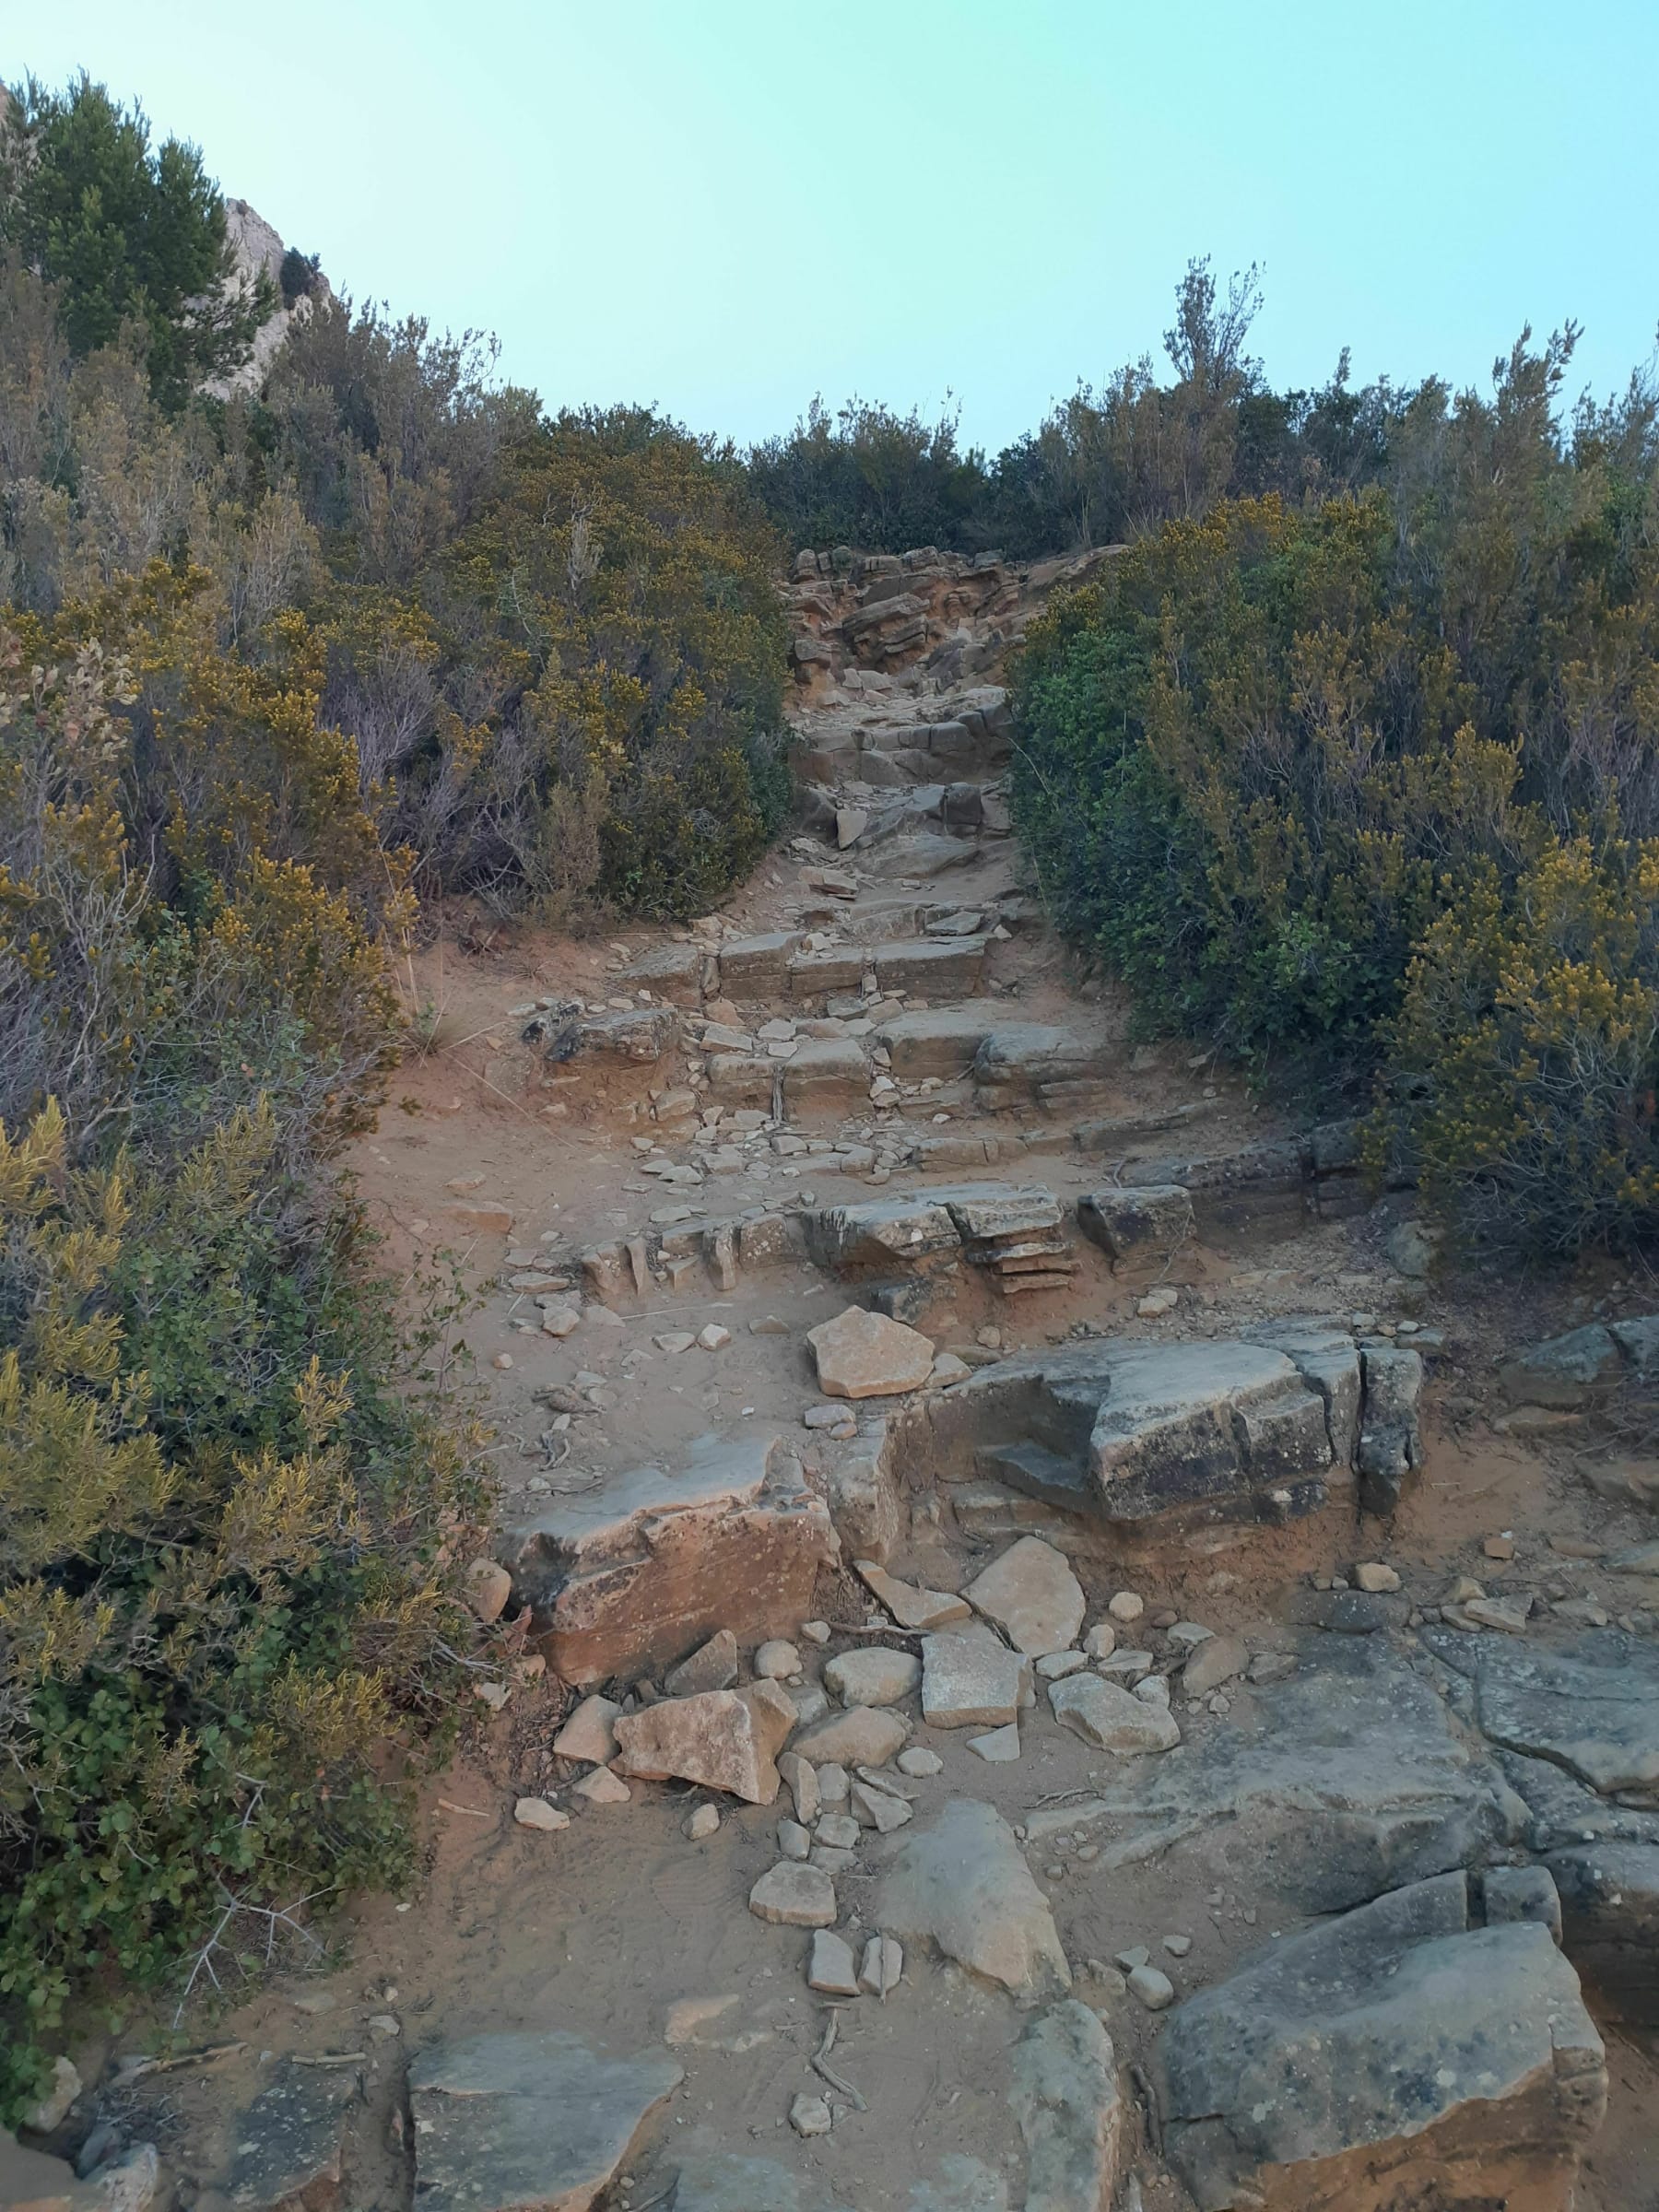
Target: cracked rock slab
(528, 2122)
(971, 1679)
(1594, 1711)
(1392, 2056)
(726, 1739)
(1031, 1594)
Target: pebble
(503, 1359)
(1053, 1666)
(769, 1325)
(714, 1338)
(1155, 1990)
(1178, 1945)
(793, 1840)
(918, 1761)
(673, 1340)
(839, 1830)
(1499, 1548)
(1101, 1641)
(1000, 1747)
(816, 1631)
(832, 1785)
(1190, 1633)
(809, 2115)
(535, 1812)
(702, 1822)
(776, 1660)
(1126, 1605)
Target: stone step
(1037, 1472)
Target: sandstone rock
(1565, 1372)
(832, 1967)
(1054, 1665)
(918, 1762)
(838, 1831)
(1153, 1988)
(793, 1840)
(1000, 1747)
(1372, 1575)
(590, 1732)
(809, 2115)
(911, 1606)
(777, 1659)
(865, 1735)
(1144, 1223)
(1522, 1893)
(961, 1884)
(290, 2141)
(800, 1779)
(872, 1676)
(1111, 1718)
(535, 1812)
(879, 1809)
(970, 1679)
(713, 1665)
(1596, 1713)
(49, 2111)
(704, 1823)
(794, 1897)
(33, 2180)
(862, 1354)
(528, 2122)
(1610, 1906)
(1222, 1659)
(1065, 2096)
(1389, 2057)
(725, 1739)
(625, 1578)
(1124, 1606)
(600, 1786)
(488, 1586)
(1347, 1779)
(1032, 1595)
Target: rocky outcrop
(1015, 1233)
(632, 1576)
(528, 2122)
(1394, 2056)
(1586, 1365)
(1348, 1779)
(1593, 1711)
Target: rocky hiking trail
(1045, 1654)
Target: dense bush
(1367, 789)
(224, 1582)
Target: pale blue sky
(722, 207)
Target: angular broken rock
(528, 2122)
(290, 2141)
(1070, 2110)
(875, 1677)
(1610, 1904)
(800, 1779)
(1221, 1659)
(961, 1884)
(1032, 1595)
(713, 1665)
(832, 1967)
(910, 1606)
(1391, 2056)
(590, 1732)
(865, 1735)
(1111, 1717)
(1142, 1222)
(626, 1579)
(791, 1896)
(971, 1679)
(726, 1739)
(862, 1354)
(879, 1809)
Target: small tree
(128, 233)
(298, 275)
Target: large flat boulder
(1346, 1780)
(629, 1578)
(1392, 2057)
(864, 1355)
(527, 2123)
(961, 1884)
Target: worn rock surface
(1594, 1711)
(1393, 2056)
(528, 2122)
(1342, 1781)
(1609, 1898)
(970, 1678)
(1111, 1717)
(960, 1883)
(875, 1677)
(635, 1574)
(1070, 2111)
(290, 2140)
